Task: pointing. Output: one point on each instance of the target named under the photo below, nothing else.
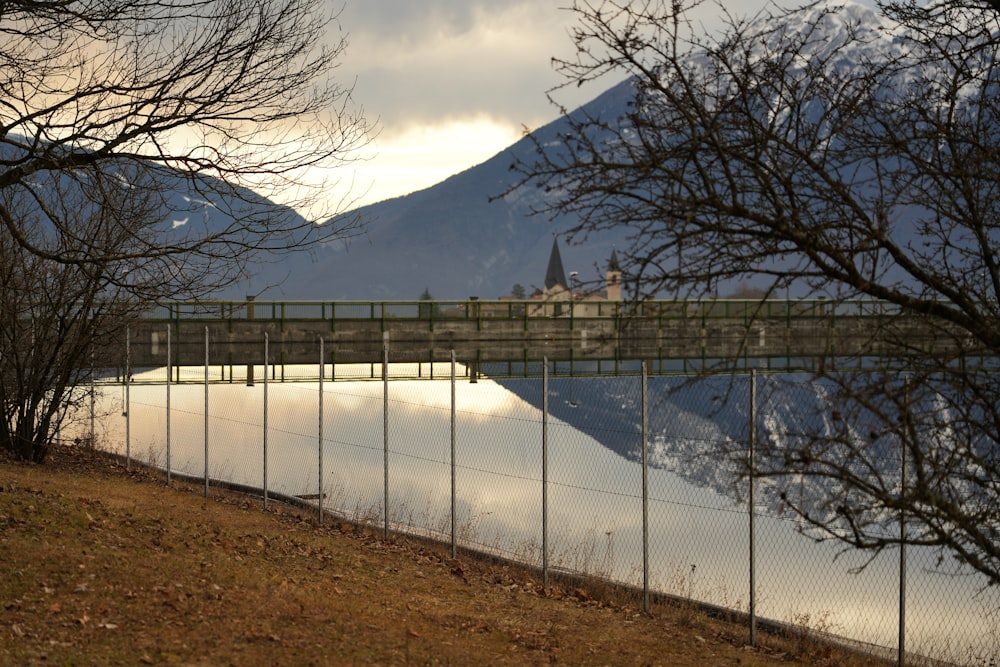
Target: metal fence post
(267, 373)
(454, 546)
(385, 438)
(545, 472)
(250, 369)
(319, 490)
(206, 412)
(128, 398)
(93, 395)
(645, 489)
(752, 506)
(901, 650)
(169, 373)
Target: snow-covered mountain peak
(826, 27)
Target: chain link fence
(551, 470)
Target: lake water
(699, 539)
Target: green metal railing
(701, 313)
(745, 309)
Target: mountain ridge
(462, 237)
(475, 233)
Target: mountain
(451, 238)
(170, 208)
(457, 239)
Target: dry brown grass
(101, 567)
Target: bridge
(510, 337)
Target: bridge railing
(507, 309)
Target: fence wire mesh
(387, 451)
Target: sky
(450, 83)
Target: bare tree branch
(830, 151)
(235, 97)
(151, 149)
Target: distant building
(556, 291)
(556, 285)
(613, 278)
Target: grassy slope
(102, 566)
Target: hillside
(455, 238)
(110, 567)
(459, 238)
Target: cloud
(445, 78)
(417, 156)
(450, 82)
(412, 22)
(433, 61)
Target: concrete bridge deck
(675, 335)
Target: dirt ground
(104, 566)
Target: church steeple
(554, 274)
(613, 278)
(613, 262)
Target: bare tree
(61, 320)
(234, 98)
(838, 152)
(143, 145)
